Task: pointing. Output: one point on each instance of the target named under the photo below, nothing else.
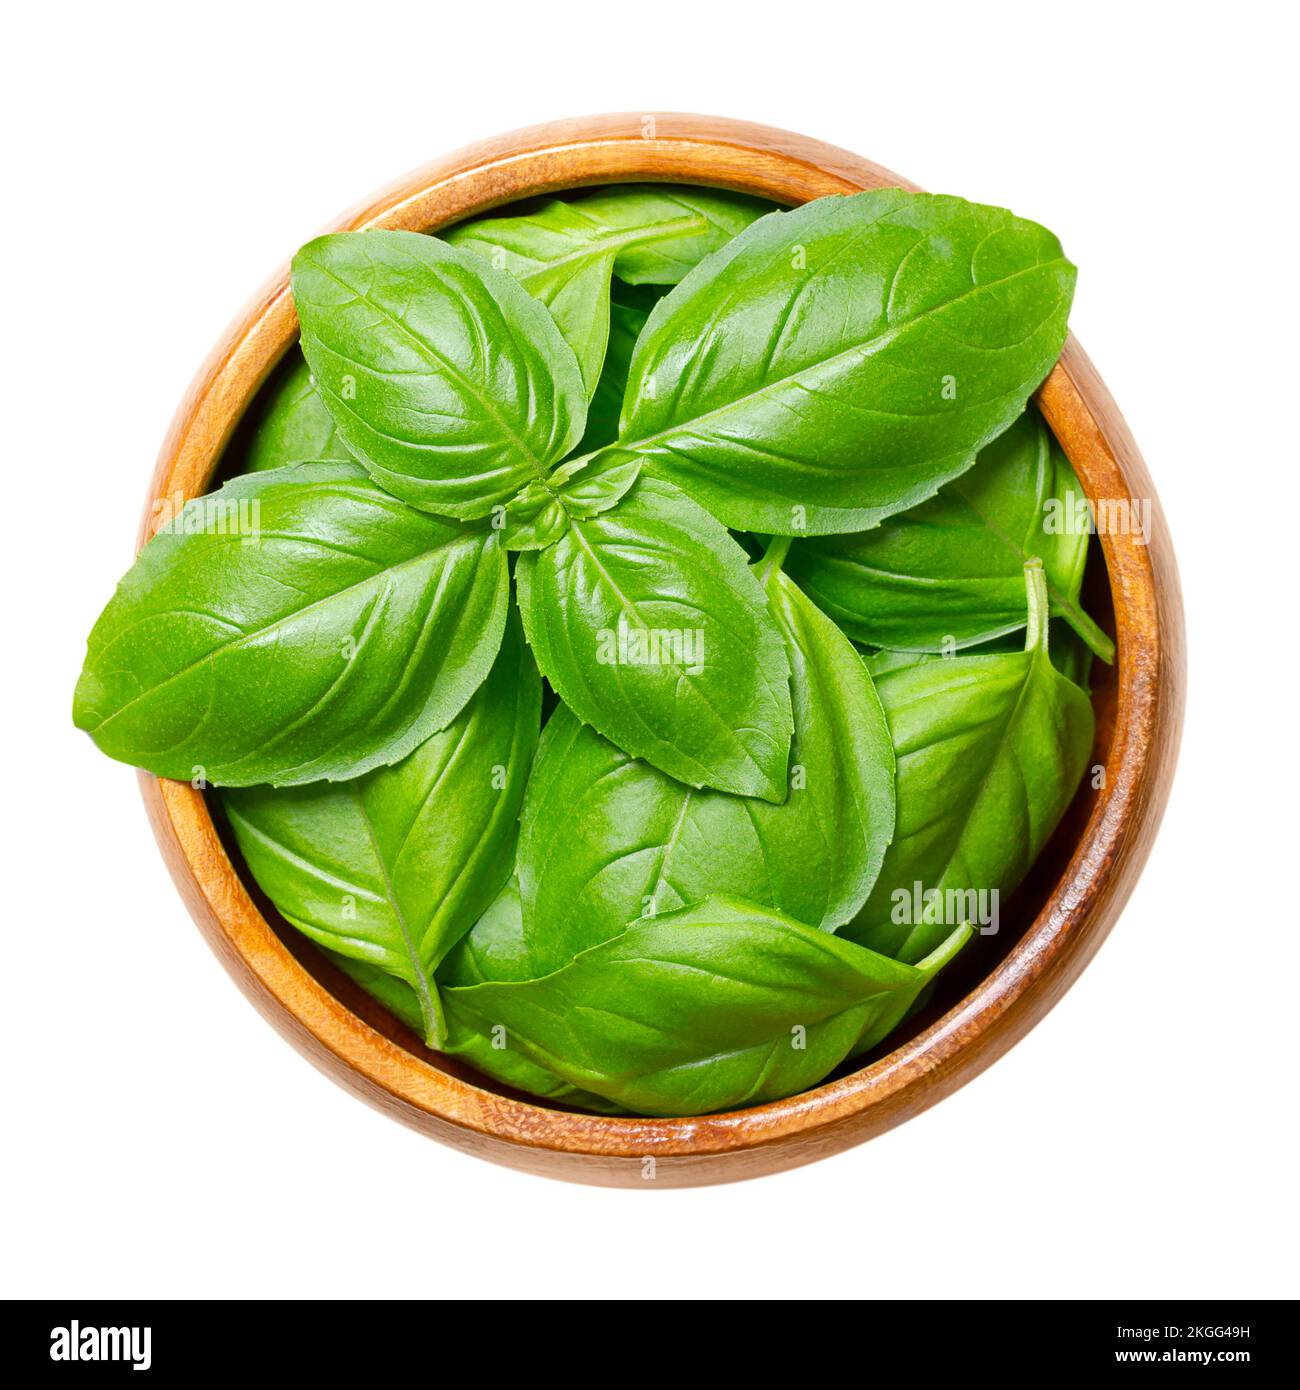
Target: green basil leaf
(950, 573)
(719, 1005)
(665, 260)
(496, 945)
(882, 661)
(1072, 656)
(491, 1054)
(533, 519)
(539, 515)
(564, 251)
(463, 1040)
(445, 378)
(288, 423)
(398, 998)
(626, 320)
(655, 232)
(649, 624)
(990, 751)
(837, 364)
(588, 487)
(607, 838)
(577, 294)
(842, 757)
(905, 1001)
(395, 867)
(495, 948)
(510, 1066)
(296, 625)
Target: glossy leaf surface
(718, 1005)
(607, 838)
(990, 751)
(834, 365)
(289, 422)
(650, 626)
(564, 251)
(298, 625)
(445, 378)
(950, 573)
(393, 868)
(463, 1040)
(628, 312)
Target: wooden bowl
(1001, 987)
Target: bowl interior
(973, 966)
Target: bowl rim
(1065, 934)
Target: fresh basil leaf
(508, 1065)
(495, 948)
(990, 750)
(464, 1041)
(288, 423)
(533, 519)
(842, 757)
(398, 998)
(577, 294)
(880, 660)
(625, 324)
(607, 838)
(395, 867)
(906, 1001)
(718, 1005)
(564, 251)
(492, 950)
(445, 378)
(587, 487)
(298, 624)
(492, 1054)
(655, 232)
(539, 515)
(665, 260)
(880, 663)
(649, 624)
(950, 573)
(1072, 656)
(837, 364)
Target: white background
(159, 1137)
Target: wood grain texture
(1073, 898)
